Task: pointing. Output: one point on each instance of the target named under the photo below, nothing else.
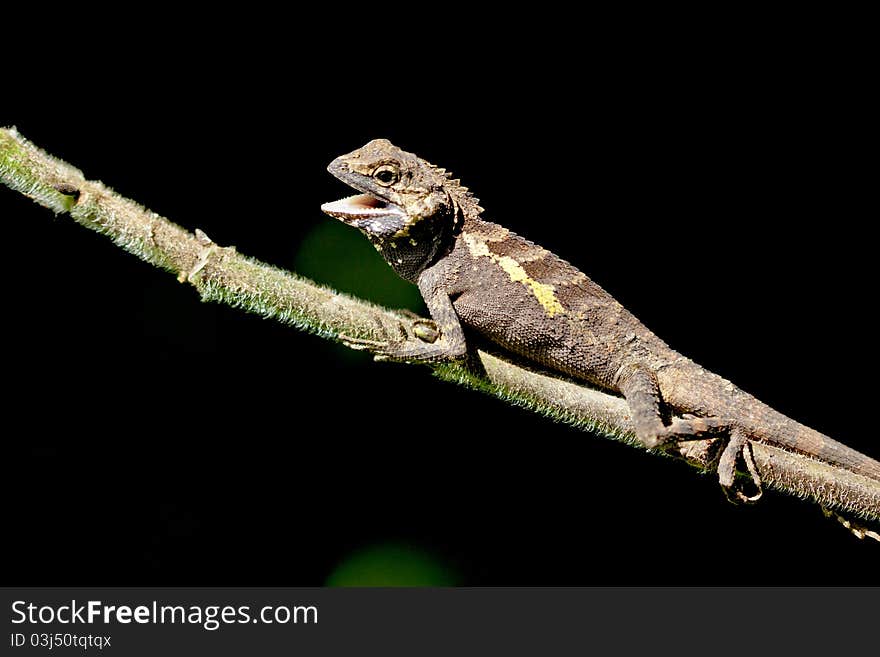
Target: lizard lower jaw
(361, 206)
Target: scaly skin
(532, 303)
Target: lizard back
(541, 307)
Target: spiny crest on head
(468, 203)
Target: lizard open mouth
(361, 206)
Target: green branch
(221, 275)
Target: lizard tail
(689, 387)
(779, 429)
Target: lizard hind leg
(738, 446)
(642, 395)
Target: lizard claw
(859, 530)
(682, 429)
(737, 446)
(690, 426)
(381, 350)
(360, 344)
(699, 425)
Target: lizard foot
(859, 530)
(738, 445)
(424, 329)
(406, 351)
(690, 427)
(684, 428)
(380, 349)
(360, 344)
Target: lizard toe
(738, 447)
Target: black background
(716, 184)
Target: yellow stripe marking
(545, 294)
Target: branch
(220, 274)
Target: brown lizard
(520, 296)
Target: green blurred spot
(340, 256)
(391, 565)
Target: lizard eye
(386, 174)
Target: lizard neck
(423, 244)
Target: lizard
(478, 275)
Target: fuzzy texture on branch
(220, 274)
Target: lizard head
(407, 207)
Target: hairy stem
(222, 275)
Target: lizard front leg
(449, 345)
